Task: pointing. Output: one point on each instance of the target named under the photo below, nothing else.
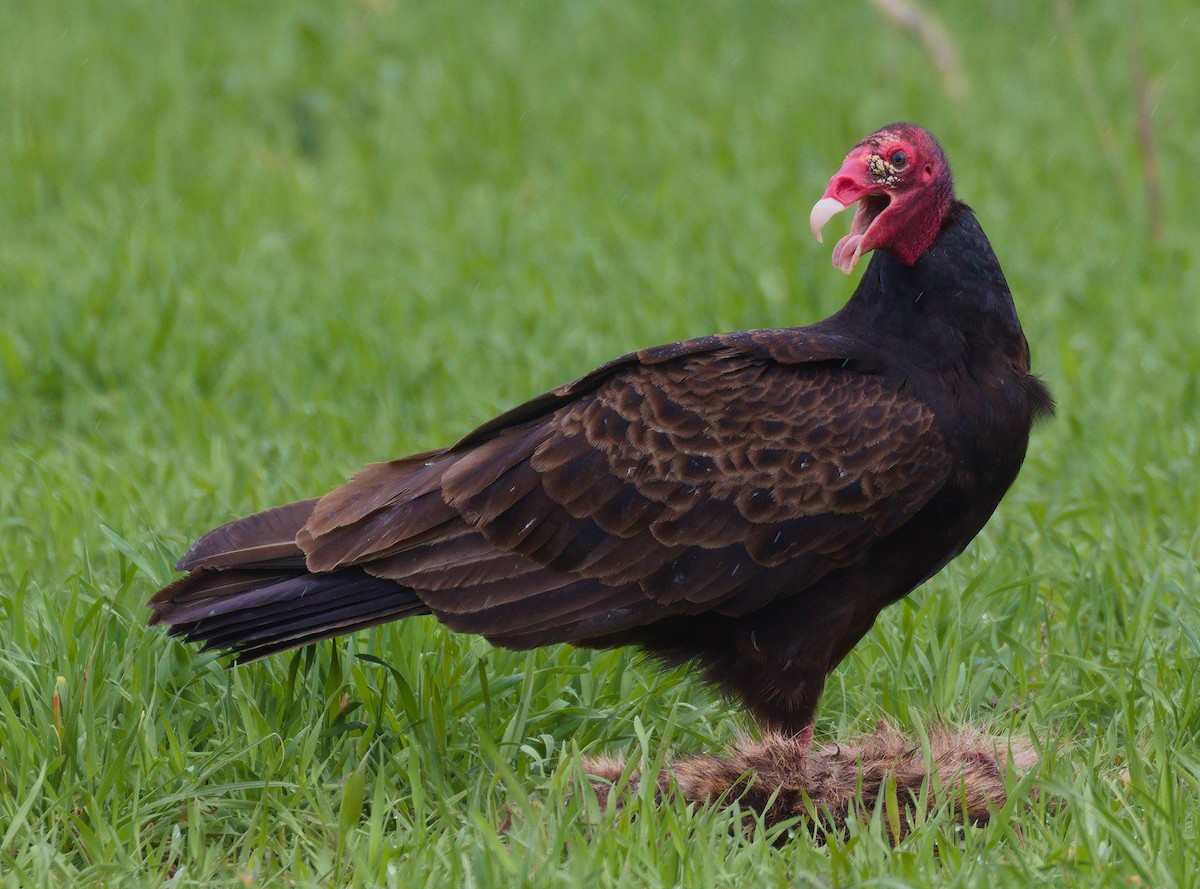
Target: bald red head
(901, 181)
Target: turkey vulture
(745, 501)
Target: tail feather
(250, 592)
(320, 596)
(215, 595)
(289, 613)
(254, 653)
(331, 620)
(206, 584)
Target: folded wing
(718, 478)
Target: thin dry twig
(935, 37)
(1151, 179)
(1106, 130)
(1085, 78)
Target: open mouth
(848, 250)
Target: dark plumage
(749, 501)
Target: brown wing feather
(716, 476)
(262, 539)
(781, 461)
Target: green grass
(245, 248)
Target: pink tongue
(845, 254)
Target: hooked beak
(851, 184)
(823, 211)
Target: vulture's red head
(901, 180)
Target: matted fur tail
(250, 592)
(780, 779)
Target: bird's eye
(899, 160)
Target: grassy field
(246, 247)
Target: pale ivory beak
(822, 211)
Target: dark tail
(249, 591)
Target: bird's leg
(783, 699)
(791, 717)
(804, 739)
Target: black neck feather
(952, 307)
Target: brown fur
(776, 779)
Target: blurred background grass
(246, 247)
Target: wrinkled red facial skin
(918, 194)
